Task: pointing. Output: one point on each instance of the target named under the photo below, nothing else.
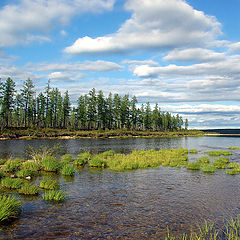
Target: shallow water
(103, 204)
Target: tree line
(93, 111)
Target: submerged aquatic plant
(10, 208)
(54, 195)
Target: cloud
(234, 47)
(228, 67)
(29, 20)
(64, 77)
(154, 24)
(194, 55)
(90, 66)
(63, 33)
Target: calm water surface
(103, 204)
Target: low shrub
(68, 170)
(194, 166)
(10, 208)
(50, 164)
(12, 183)
(49, 184)
(54, 195)
(28, 189)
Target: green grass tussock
(10, 208)
(208, 168)
(234, 148)
(194, 166)
(98, 162)
(233, 165)
(31, 165)
(12, 165)
(50, 164)
(54, 195)
(12, 183)
(28, 189)
(204, 160)
(220, 163)
(25, 173)
(68, 170)
(193, 151)
(219, 153)
(49, 184)
(67, 158)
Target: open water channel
(104, 204)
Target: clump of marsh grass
(10, 208)
(31, 165)
(233, 165)
(12, 165)
(219, 153)
(50, 164)
(193, 151)
(208, 168)
(67, 158)
(80, 162)
(2, 161)
(12, 183)
(234, 148)
(28, 189)
(68, 170)
(221, 163)
(85, 155)
(97, 162)
(1, 174)
(25, 173)
(195, 166)
(204, 160)
(49, 184)
(54, 195)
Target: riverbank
(29, 134)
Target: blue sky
(185, 55)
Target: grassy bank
(30, 133)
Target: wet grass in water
(50, 164)
(10, 208)
(67, 158)
(208, 168)
(195, 166)
(25, 173)
(28, 189)
(49, 184)
(219, 153)
(68, 170)
(54, 195)
(31, 165)
(234, 148)
(12, 183)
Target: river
(141, 204)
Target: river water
(141, 204)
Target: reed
(49, 184)
(54, 195)
(68, 170)
(12, 183)
(28, 189)
(50, 164)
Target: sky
(183, 55)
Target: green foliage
(204, 160)
(54, 195)
(49, 184)
(208, 168)
(194, 166)
(234, 148)
(12, 183)
(10, 208)
(85, 155)
(25, 173)
(31, 165)
(28, 189)
(97, 162)
(193, 151)
(50, 164)
(219, 153)
(68, 170)
(2, 161)
(80, 162)
(67, 158)
(1, 174)
(12, 165)
(221, 163)
(233, 165)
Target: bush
(12, 183)
(68, 170)
(49, 184)
(194, 166)
(54, 195)
(28, 189)
(50, 164)
(10, 208)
